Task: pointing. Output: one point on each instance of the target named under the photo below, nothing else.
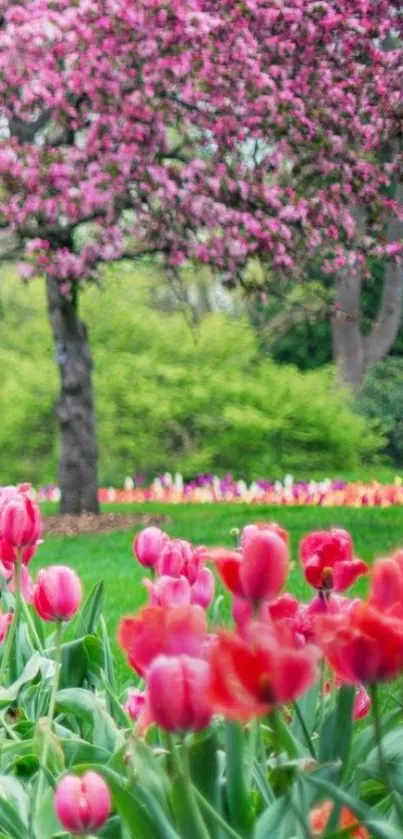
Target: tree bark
(78, 460)
(386, 326)
(353, 352)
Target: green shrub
(167, 397)
(381, 401)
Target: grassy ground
(108, 556)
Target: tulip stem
(308, 739)
(183, 770)
(16, 619)
(49, 720)
(31, 625)
(215, 815)
(383, 766)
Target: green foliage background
(169, 397)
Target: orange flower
(318, 820)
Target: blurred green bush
(168, 397)
(381, 402)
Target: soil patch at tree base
(68, 525)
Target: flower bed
(269, 724)
(208, 489)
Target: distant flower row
(209, 489)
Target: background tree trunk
(353, 352)
(78, 461)
(348, 350)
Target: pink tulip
(20, 523)
(57, 594)
(179, 557)
(5, 621)
(8, 553)
(135, 704)
(147, 545)
(203, 588)
(176, 692)
(169, 591)
(264, 566)
(82, 805)
(362, 704)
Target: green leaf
(30, 671)
(89, 615)
(378, 828)
(364, 742)
(88, 708)
(109, 662)
(238, 794)
(46, 823)
(275, 821)
(11, 822)
(308, 707)
(336, 733)
(204, 771)
(13, 791)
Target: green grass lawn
(108, 556)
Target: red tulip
(363, 645)
(157, 630)
(176, 693)
(169, 591)
(147, 546)
(57, 594)
(328, 562)
(202, 591)
(135, 704)
(260, 571)
(335, 604)
(251, 675)
(82, 804)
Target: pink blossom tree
(214, 131)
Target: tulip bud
(147, 545)
(135, 704)
(57, 594)
(176, 691)
(82, 804)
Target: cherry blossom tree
(215, 131)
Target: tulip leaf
(204, 770)
(337, 729)
(364, 742)
(307, 707)
(11, 822)
(275, 821)
(378, 828)
(90, 613)
(238, 794)
(46, 823)
(30, 671)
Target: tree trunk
(78, 460)
(353, 352)
(348, 350)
